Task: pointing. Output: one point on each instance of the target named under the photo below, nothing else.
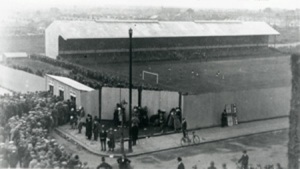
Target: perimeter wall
(204, 110)
(153, 100)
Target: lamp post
(130, 88)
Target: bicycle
(187, 140)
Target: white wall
(204, 110)
(155, 100)
(90, 102)
(20, 81)
(112, 96)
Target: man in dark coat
(26, 159)
(161, 122)
(55, 117)
(124, 163)
(96, 129)
(111, 138)
(180, 164)
(13, 158)
(116, 118)
(86, 124)
(224, 119)
(212, 165)
(135, 134)
(244, 160)
(89, 127)
(21, 152)
(104, 165)
(184, 127)
(103, 137)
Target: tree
(294, 119)
(190, 13)
(267, 10)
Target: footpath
(165, 142)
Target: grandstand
(108, 41)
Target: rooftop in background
(15, 55)
(71, 83)
(153, 28)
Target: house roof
(15, 55)
(144, 29)
(70, 82)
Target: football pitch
(202, 77)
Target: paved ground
(172, 141)
(266, 148)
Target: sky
(8, 7)
(11, 5)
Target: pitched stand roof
(144, 29)
(72, 83)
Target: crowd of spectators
(96, 79)
(26, 121)
(204, 54)
(90, 77)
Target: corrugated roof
(71, 82)
(144, 29)
(15, 54)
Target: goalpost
(151, 73)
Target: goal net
(151, 74)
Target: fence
(111, 96)
(205, 110)
(162, 100)
(154, 100)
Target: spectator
(80, 124)
(279, 166)
(33, 162)
(144, 117)
(73, 118)
(161, 121)
(3, 162)
(180, 163)
(13, 157)
(134, 132)
(212, 165)
(116, 117)
(224, 118)
(96, 129)
(32, 147)
(177, 124)
(103, 137)
(184, 127)
(124, 163)
(104, 165)
(89, 127)
(111, 140)
(244, 160)
(85, 165)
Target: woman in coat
(177, 124)
(111, 140)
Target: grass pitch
(214, 76)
